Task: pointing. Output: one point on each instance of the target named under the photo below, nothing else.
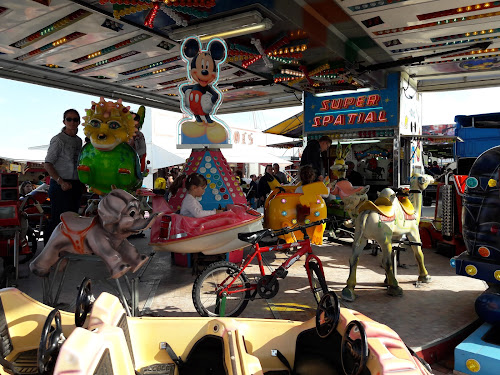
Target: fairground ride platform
(431, 318)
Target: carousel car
(215, 234)
(100, 339)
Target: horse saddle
(406, 205)
(75, 227)
(382, 205)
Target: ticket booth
(381, 126)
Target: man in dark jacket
(252, 194)
(263, 188)
(312, 155)
(354, 177)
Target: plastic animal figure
(383, 221)
(108, 162)
(339, 166)
(104, 235)
(200, 98)
(287, 208)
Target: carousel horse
(384, 220)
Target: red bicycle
(224, 289)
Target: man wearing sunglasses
(61, 163)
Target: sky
(32, 114)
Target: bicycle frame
(305, 248)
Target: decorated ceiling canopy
(277, 49)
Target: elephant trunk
(143, 224)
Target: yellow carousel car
(101, 339)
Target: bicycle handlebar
(275, 233)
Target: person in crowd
(278, 175)
(25, 188)
(138, 142)
(263, 187)
(41, 180)
(195, 186)
(61, 163)
(428, 168)
(252, 195)
(239, 176)
(312, 155)
(354, 177)
(307, 176)
(435, 169)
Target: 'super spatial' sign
(375, 108)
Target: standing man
(354, 177)
(61, 163)
(312, 155)
(263, 188)
(278, 175)
(252, 195)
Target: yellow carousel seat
(382, 205)
(201, 343)
(94, 352)
(21, 321)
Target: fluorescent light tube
(223, 25)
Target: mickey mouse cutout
(200, 97)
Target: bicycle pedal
(281, 273)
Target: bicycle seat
(253, 237)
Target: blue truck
(479, 133)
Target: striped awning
(291, 127)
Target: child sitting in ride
(195, 186)
(307, 176)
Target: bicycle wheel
(211, 281)
(318, 282)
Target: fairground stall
(382, 125)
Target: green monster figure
(108, 162)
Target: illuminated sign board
(375, 108)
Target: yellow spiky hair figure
(108, 124)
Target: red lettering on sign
(324, 105)
(250, 139)
(236, 137)
(340, 120)
(243, 140)
(371, 117)
(382, 116)
(352, 118)
(360, 102)
(361, 117)
(349, 101)
(373, 100)
(327, 120)
(336, 103)
(317, 122)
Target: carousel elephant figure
(105, 235)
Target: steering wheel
(84, 301)
(50, 343)
(354, 352)
(327, 314)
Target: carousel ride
(205, 134)
(100, 338)
(480, 352)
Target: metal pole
(16, 255)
